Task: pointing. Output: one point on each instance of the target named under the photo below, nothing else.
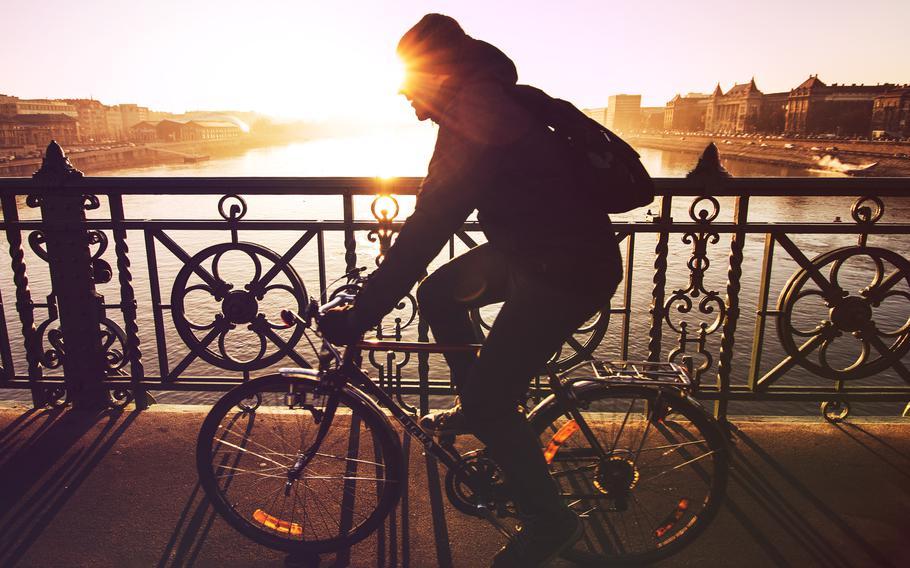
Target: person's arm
(458, 172)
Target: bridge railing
(784, 291)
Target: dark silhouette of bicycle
(308, 461)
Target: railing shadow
(822, 546)
(880, 449)
(189, 535)
(42, 472)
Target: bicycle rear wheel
(651, 482)
(252, 437)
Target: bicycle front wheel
(254, 435)
(646, 470)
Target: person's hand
(340, 326)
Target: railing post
(132, 352)
(711, 173)
(350, 243)
(23, 298)
(661, 250)
(80, 306)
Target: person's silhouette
(550, 256)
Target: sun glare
(351, 87)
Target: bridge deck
(122, 491)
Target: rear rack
(650, 373)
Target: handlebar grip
(289, 318)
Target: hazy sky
(318, 59)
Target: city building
(652, 118)
(686, 113)
(599, 115)
(174, 131)
(843, 110)
(214, 129)
(624, 113)
(132, 114)
(195, 130)
(772, 116)
(13, 106)
(39, 129)
(735, 111)
(145, 131)
(891, 114)
(92, 117)
(12, 133)
(115, 123)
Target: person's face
(422, 91)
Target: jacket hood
(437, 44)
(479, 60)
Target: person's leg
(476, 278)
(530, 327)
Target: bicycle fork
(324, 419)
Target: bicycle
(306, 461)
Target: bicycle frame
(349, 374)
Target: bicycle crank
(475, 487)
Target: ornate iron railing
(842, 311)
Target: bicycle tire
(244, 450)
(631, 516)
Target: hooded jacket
(494, 156)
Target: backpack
(608, 168)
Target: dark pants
(537, 316)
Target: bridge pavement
(120, 490)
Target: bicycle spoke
(675, 446)
(652, 486)
(622, 425)
(345, 458)
(252, 453)
(677, 467)
(236, 471)
(345, 478)
(247, 439)
(340, 494)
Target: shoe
(445, 422)
(540, 539)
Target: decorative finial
(55, 163)
(709, 164)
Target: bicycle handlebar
(314, 311)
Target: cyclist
(550, 256)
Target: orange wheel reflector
(277, 524)
(559, 438)
(672, 518)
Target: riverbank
(850, 157)
(98, 160)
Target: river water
(406, 153)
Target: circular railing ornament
(206, 311)
(848, 313)
(236, 207)
(121, 397)
(867, 210)
(835, 411)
